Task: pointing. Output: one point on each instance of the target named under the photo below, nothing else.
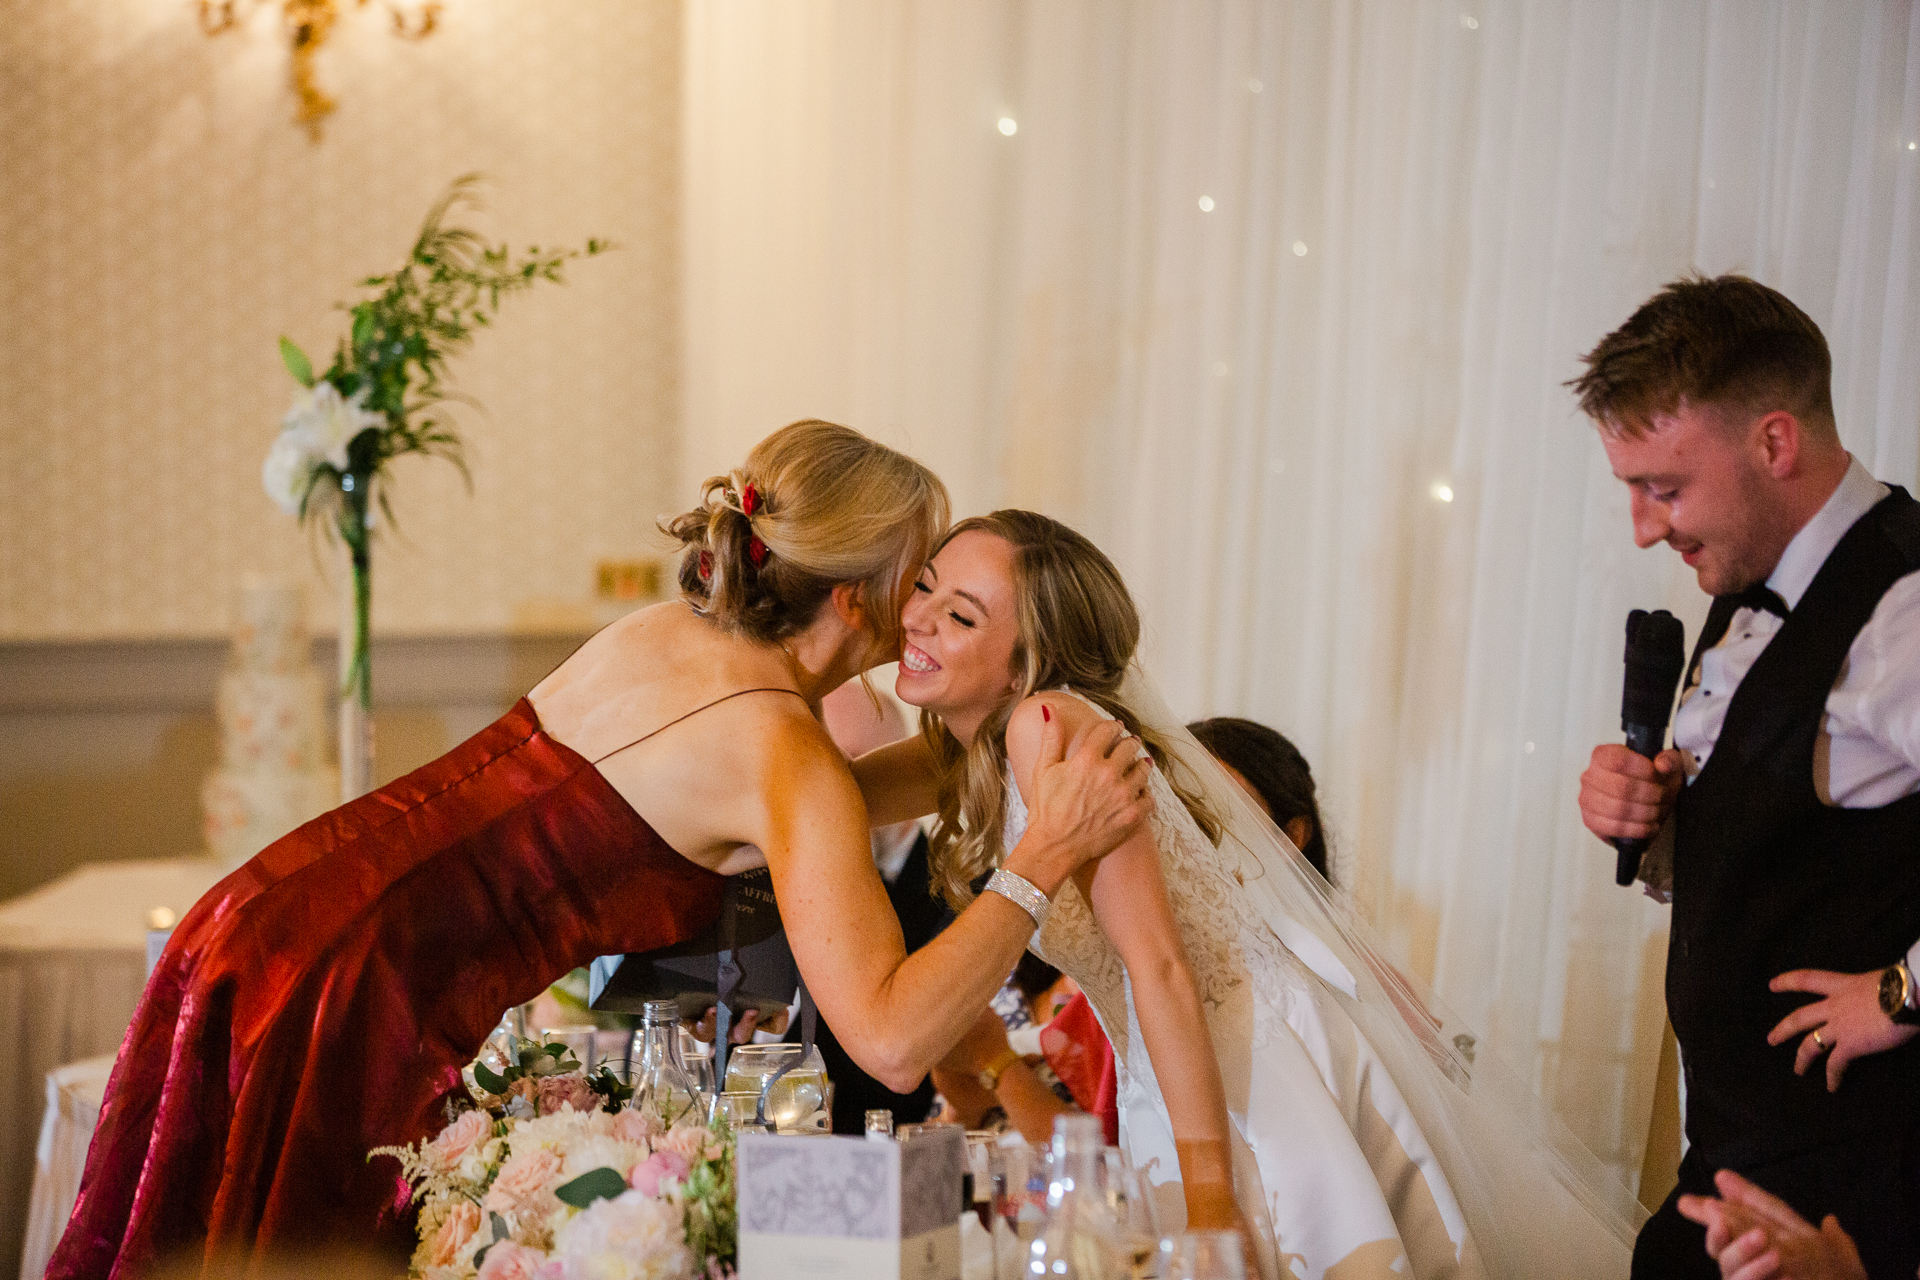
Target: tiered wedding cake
(273, 773)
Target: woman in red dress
(322, 999)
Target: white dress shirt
(1868, 752)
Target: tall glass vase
(356, 668)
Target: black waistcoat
(1766, 878)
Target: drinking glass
(1021, 1192)
(1202, 1255)
(795, 1097)
(738, 1108)
(696, 1059)
(501, 1049)
(1133, 1211)
(983, 1148)
(583, 1038)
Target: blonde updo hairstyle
(1078, 627)
(827, 506)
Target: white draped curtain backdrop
(1274, 300)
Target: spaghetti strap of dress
(737, 693)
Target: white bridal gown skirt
(1333, 1171)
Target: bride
(1265, 1082)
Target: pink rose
(688, 1140)
(635, 1126)
(509, 1261)
(554, 1092)
(524, 1180)
(455, 1233)
(647, 1176)
(460, 1137)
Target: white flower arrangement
(376, 400)
(314, 432)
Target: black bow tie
(1761, 598)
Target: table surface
(103, 906)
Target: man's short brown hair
(1726, 341)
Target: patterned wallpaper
(162, 220)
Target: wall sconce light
(308, 23)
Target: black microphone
(1656, 654)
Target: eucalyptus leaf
(488, 1080)
(296, 361)
(595, 1184)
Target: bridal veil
(1538, 1204)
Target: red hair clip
(756, 550)
(749, 502)
(706, 565)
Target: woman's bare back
(681, 717)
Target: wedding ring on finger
(1822, 1045)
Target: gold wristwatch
(1898, 995)
(990, 1074)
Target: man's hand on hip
(1845, 1024)
(1624, 794)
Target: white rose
(325, 423)
(601, 1151)
(631, 1237)
(286, 473)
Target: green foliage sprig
(376, 400)
(393, 361)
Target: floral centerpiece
(376, 401)
(552, 1178)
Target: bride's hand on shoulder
(1083, 802)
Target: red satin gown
(322, 999)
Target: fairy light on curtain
(309, 23)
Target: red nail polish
(1046, 714)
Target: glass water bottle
(1080, 1239)
(660, 1085)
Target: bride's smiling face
(961, 630)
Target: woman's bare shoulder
(1027, 726)
(627, 643)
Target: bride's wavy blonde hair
(1078, 627)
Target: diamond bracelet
(1022, 893)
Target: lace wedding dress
(1366, 1144)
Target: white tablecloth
(73, 1108)
(72, 963)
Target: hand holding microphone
(1624, 794)
(1656, 653)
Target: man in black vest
(1792, 799)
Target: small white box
(833, 1208)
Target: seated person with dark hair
(1274, 775)
(1001, 1074)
